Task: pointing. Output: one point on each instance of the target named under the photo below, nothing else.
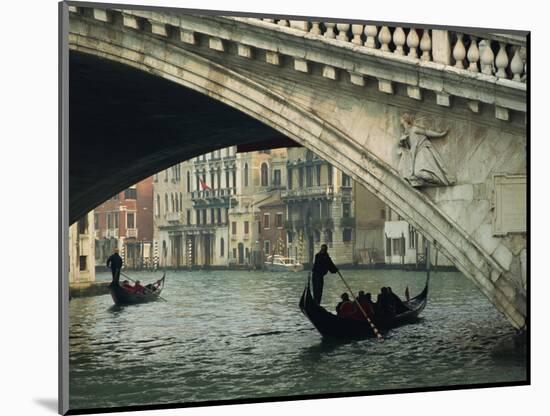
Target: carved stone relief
(420, 163)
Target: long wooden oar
(374, 329)
(146, 288)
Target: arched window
(157, 211)
(188, 181)
(181, 202)
(222, 247)
(166, 207)
(328, 236)
(329, 175)
(172, 199)
(246, 174)
(289, 177)
(177, 204)
(264, 174)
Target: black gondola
(335, 327)
(122, 297)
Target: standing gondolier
(114, 262)
(321, 266)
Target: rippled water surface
(234, 334)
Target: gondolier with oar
(114, 262)
(321, 266)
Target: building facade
(405, 246)
(192, 200)
(273, 236)
(325, 206)
(234, 209)
(261, 175)
(369, 227)
(125, 221)
(81, 252)
(215, 218)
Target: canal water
(240, 334)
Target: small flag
(204, 186)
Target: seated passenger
(138, 288)
(126, 285)
(367, 305)
(345, 308)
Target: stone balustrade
(213, 193)
(504, 58)
(482, 68)
(312, 191)
(173, 217)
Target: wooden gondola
(331, 326)
(122, 297)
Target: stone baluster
(459, 51)
(473, 55)
(384, 37)
(425, 45)
(315, 28)
(399, 40)
(370, 33)
(412, 42)
(357, 31)
(329, 33)
(501, 61)
(516, 66)
(343, 31)
(487, 57)
(283, 22)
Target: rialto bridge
(431, 121)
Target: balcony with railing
(346, 192)
(111, 233)
(208, 195)
(326, 191)
(174, 217)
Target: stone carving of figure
(420, 164)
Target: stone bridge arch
(356, 131)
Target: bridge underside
(126, 125)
